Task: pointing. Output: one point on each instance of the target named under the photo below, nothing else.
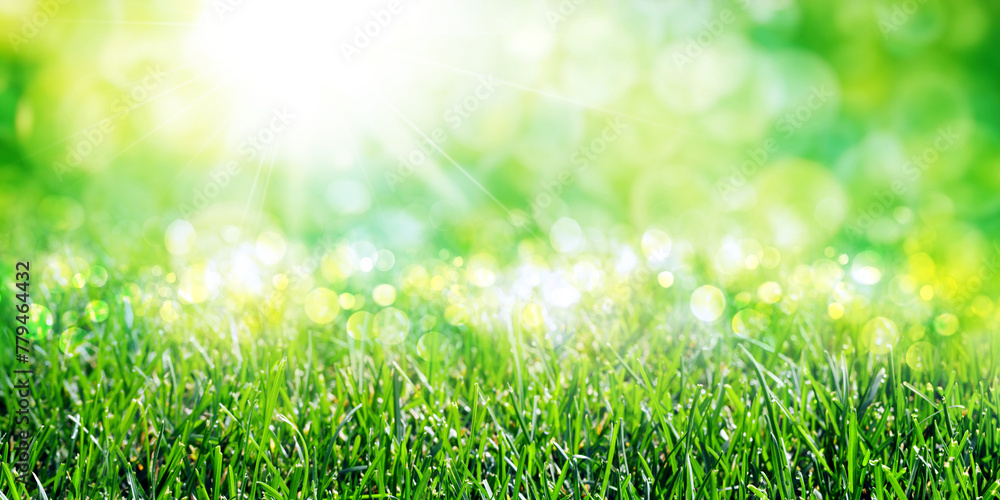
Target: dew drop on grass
(708, 303)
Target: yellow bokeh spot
(384, 295)
(98, 276)
(927, 292)
(432, 345)
(750, 323)
(335, 265)
(665, 279)
(916, 332)
(531, 316)
(70, 340)
(414, 279)
(922, 266)
(360, 325)
(197, 284)
(946, 324)
(742, 299)
(770, 258)
(40, 321)
(879, 335)
(835, 310)
(322, 306)
(920, 356)
(180, 237)
(982, 306)
(169, 311)
(391, 326)
(438, 283)
(456, 314)
(708, 303)
(279, 281)
(270, 247)
(347, 301)
(78, 280)
(656, 246)
(769, 292)
(482, 270)
(97, 311)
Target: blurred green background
(142, 131)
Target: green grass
(631, 401)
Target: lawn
(472, 385)
(504, 250)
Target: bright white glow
(278, 50)
(341, 70)
(311, 55)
